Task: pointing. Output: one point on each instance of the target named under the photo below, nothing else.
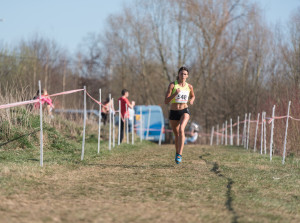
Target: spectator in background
(130, 120)
(124, 101)
(105, 110)
(194, 129)
(45, 99)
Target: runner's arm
(192, 94)
(168, 96)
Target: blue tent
(152, 127)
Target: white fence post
(226, 133)
(126, 121)
(109, 143)
(272, 132)
(248, 135)
(132, 130)
(41, 127)
(286, 129)
(217, 134)
(222, 136)
(265, 136)
(161, 131)
(113, 123)
(148, 123)
(238, 131)
(84, 123)
(244, 131)
(99, 121)
(212, 135)
(119, 132)
(141, 124)
(231, 136)
(262, 133)
(256, 129)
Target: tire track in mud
(230, 182)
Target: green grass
(141, 182)
(134, 183)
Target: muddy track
(229, 195)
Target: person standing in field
(124, 101)
(130, 120)
(105, 110)
(179, 93)
(45, 99)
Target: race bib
(182, 97)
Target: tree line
(238, 62)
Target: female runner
(178, 94)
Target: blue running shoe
(178, 158)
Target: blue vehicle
(149, 122)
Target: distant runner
(178, 94)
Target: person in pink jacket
(45, 99)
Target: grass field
(142, 183)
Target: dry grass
(144, 185)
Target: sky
(68, 22)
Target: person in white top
(130, 119)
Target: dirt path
(136, 186)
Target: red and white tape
(36, 100)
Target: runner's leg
(183, 122)
(175, 127)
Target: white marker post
(127, 136)
(212, 135)
(217, 134)
(161, 130)
(148, 123)
(41, 127)
(248, 136)
(84, 122)
(222, 136)
(286, 129)
(245, 135)
(272, 133)
(99, 121)
(244, 131)
(238, 131)
(231, 136)
(119, 132)
(132, 130)
(109, 143)
(265, 132)
(225, 133)
(141, 124)
(262, 133)
(113, 123)
(256, 130)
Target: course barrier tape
(36, 100)
(255, 121)
(296, 119)
(220, 133)
(98, 102)
(66, 92)
(52, 95)
(19, 103)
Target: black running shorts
(176, 114)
